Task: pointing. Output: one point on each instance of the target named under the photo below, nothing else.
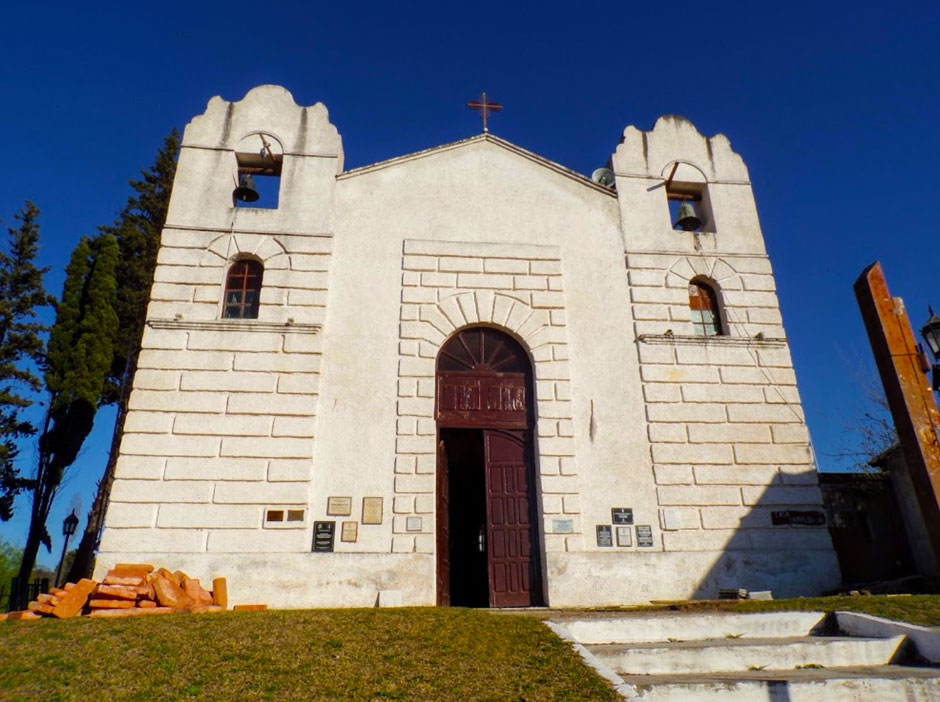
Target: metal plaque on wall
(621, 515)
(371, 510)
(339, 506)
(624, 536)
(644, 536)
(323, 533)
(794, 517)
(605, 537)
(350, 531)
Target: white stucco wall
(330, 392)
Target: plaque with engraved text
(349, 532)
(371, 510)
(621, 515)
(624, 536)
(323, 534)
(339, 506)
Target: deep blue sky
(834, 107)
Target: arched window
(243, 290)
(703, 304)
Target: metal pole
(58, 572)
(912, 404)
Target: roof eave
(486, 137)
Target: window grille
(243, 290)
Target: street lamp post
(931, 333)
(69, 525)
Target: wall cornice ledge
(234, 325)
(694, 340)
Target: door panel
(483, 407)
(509, 532)
(443, 527)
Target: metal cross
(484, 107)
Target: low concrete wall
(597, 579)
(926, 639)
(302, 580)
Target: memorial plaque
(350, 531)
(339, 506)
(624, 536)
(323, 533)
(371, 510)
(413, 524)
(794, 517)
(644, 536)
(605, 537)
(563, 526)
(621, 515)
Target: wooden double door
(487, 536)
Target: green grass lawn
(423, 655)
(420, 654)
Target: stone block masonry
(242, 433)
(727, 436)
(443, 290)
(222, 415)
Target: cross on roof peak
(484, 107)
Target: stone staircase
(773, 656)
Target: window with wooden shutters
(243, 290)
(703, 305)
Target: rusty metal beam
(912, 404)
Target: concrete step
(858, 684)
(659, 626)
(726, 655)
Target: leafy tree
(137, 231)
(78, 358)
(10, 557)
(21, 296)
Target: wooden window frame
(706, 300)
(244, 280)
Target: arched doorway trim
(487, 518)
(425, 327)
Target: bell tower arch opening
(488, 550)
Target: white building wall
(331, 391)
(727, 433)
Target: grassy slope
(425, 655)
(407, 654)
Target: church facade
(465, 376)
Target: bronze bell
(688, 220)
(246, 191)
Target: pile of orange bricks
(129, 589)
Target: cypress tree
(137, 232)
(78, 359)
(21, 296)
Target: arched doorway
(487, 537)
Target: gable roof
(479, 138)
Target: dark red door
(484, 387)
(509, 520)
(443, 528)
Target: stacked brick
(128, 590)
(450, 285)
(729, 443)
